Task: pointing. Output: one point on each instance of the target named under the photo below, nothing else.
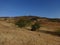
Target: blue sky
(43, 8)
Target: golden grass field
(12, 35)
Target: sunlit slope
(46, 23)
(12, 35)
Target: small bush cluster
(23, 23)
(35, 27)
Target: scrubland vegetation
(42, 31)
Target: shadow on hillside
(50, 32)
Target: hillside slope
(46, 23)
(12, 35)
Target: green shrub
(25, 23)
(35, 27)
(22, 23)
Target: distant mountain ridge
(30, 17)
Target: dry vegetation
(10, 34)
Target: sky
(42, 8)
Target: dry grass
(11, 35)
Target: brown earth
(13, 35)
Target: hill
(46, 23)
(10, 34)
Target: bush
(35, 27)
(23, 23)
